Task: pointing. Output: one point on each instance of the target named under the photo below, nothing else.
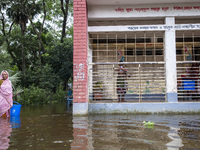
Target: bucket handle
(16, 103)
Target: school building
(157, 41)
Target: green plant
(149, 123)
(38, 96)
(14, 78)
(34, 96)
(17, 93)
(59, 95)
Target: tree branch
(6, 38)
(33, 26)
(62, 7)
(65, 13)
(11, 27)
(44, 18)
(3, 24)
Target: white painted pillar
(170, 59)
(90, 71)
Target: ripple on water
(128, 131)
(54, 128)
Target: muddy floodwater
(53, 127)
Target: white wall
(138, 11)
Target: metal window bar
(188, 61)
(188, 81)
(136, 47)
(144, 82)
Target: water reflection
(80, 133)
(42, 127)
(5, 131)
(190, 132)
(119, 132)
(15, 121)
(54, 127)
(176, 142)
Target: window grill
(143, 82)
(188, 60)
(143, 56)
(135, 47)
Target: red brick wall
(80, 73)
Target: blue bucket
(15, 109)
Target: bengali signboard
(137, 11)
(143, 28)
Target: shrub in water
(59, 95)
(34, 96)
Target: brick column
(80, 73)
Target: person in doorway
(121, 82)
(6, 95)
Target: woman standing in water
(6, 95)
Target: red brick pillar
(80, 68)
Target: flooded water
(53, 127)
